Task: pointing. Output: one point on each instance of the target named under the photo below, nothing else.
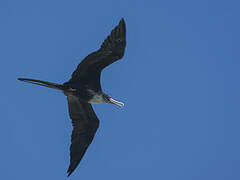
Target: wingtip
(122, 26)
(122, 21)
(69, 173)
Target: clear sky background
(179, 80)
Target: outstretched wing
(111, 50)
(85, 124)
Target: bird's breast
(96, 99)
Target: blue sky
(179, 80)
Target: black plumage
(85, 124)
(89, 70)
(84, 88)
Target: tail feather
(42, 83)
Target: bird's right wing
(85, 124)
(111, 50)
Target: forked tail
(42, 83)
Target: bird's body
(84, 89)
(97, 97)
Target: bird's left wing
(85, 124)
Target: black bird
(84, 89)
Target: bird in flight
(84, 89)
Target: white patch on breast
(97, 99)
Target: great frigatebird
(84, 89)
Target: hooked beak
(112, 101)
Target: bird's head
(108, 99)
